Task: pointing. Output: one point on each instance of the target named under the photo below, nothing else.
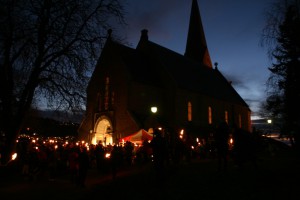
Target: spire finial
(216, 65)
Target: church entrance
(103, 132)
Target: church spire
(196, 47)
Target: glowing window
(226, 116)
(189, 111)
(209, 115)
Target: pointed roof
(161, 63)
(201, 79)
(196, 47)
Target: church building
(151, 86)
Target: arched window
(189, 111)
(226, 116)
(106, 97)
(209, 115)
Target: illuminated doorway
(103, 132)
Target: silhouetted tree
(48, 49)
(284, 82)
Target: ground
(276, 176)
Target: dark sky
(233, 30)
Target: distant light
(181, 132)
(154, 109)
(269, 121)
(107, 155)
(14, 156)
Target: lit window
(226, 116)
(209, 115)
(106, 97)
(189, 111)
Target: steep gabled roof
(191, 75)
(148, 60)
(139, 66)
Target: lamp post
(153, 111)
(269, 121)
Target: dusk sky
(233, 30)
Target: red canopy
(138, 137)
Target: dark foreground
(277, 177)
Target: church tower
(196, 47)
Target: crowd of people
(50, 160)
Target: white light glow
(154, 109)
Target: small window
(226, 116)
(209, 115)
(189, 111)
(240, 121)
(106, 97)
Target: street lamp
(269, 121)
(152, 120)
(153, 109)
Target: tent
(138, 137)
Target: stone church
(151, 86)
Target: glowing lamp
(153, 109)
(14, 156)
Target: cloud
(236, 81)
(155, 16)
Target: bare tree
(48, 49)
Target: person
(128, 150)
(245, 147)
(158, 145)
(83, 166)
(73, 163)
(115, 160)
(221, 137)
